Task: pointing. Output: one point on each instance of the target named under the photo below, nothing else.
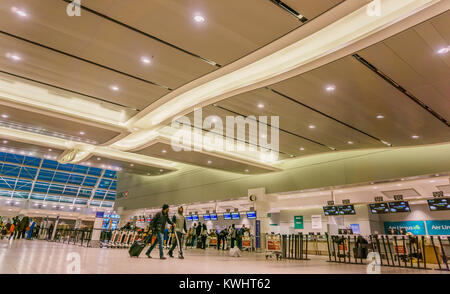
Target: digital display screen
(206, 217)
(379, 208)
(439, 204)
(251, 214)
(330, 210)
(195, 217)
(189, 218)
(346, 209)
(227, 215)
(399, 206)
(213, 216)
(235, 215)
(149, 219)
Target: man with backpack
(157, 225)
(180, 225)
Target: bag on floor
(136, 248)
(235, 252)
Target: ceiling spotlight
(161, 170)
(98, 158)
(312, 126)
(209, 161)
(260, 105)
(19, 12)
(302, 149)
(432, 181)
(5, 142)
(399, 185)
(350, 142)
(145, 60)
(415, 137)
(115, 88)
(131, 164)
(199, 18)
(380, 116)
(5, 116)
(82, 133)
(164, 151)
(246, 170)
(330, 88)
(50, 150)
(444, 50)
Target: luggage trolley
(273, 246)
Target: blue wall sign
(99, 214)
(414, 227)
(355, 228)
(438, 227)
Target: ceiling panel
(289, 143)
(53, 126)
(359, 97)
(94, 38)
(311, 9)
(200, 159)
(125, 167)
(231, 28)
(52, 68)
(421, 71)
(297, 119)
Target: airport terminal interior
(225, 137)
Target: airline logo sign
(414, 227)
(438, 227)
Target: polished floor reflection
(32, 257)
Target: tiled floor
(46, 257)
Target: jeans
(176, 242)
(194, 241)
(159, 240)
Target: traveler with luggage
(158, 225)
(180, 226)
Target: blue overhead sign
(438, 227)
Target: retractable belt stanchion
(397, 251)
(444, 255)
(436, 253)
(424, 253)
(410, 250)
(404, 250)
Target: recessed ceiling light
(260, 105)
(164, 151)
(415, 137)
(5, 115)
(146, 60)
(5, 142)
(114, 88)
(19, 12)
(14, 57)
(312, 126)
(330, 88)
(50, 150)
(380, 116)
(82, 133)
(263, 136)
(131, 164)
(199, 18)
(209, 161)
(444, 50)
(302, 149)
(246, 170)
(98, 158)
(432, 181)
(160, 170)
(399, 185)
(350, 142)
(375, 188)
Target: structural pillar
(262, 208)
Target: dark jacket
(158, 223)
(198, 230)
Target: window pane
(41, 187)
(61, 177)
(28, 172)
(45, 175)
(65, 167)
(71, 191)
(56, 189)
(50, 164)
(33, 161)
(80, 169)
(14, 158)
(90, 181)
(75, 179)
(105, 183)
(95, 171)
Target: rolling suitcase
(136, 248)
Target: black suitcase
(136, 248)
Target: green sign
(298, 222)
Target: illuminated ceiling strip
(344, 32)
(26, 94)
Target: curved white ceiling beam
(349, 24)
(83, 150)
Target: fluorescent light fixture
(13, 56)
(145, 60)
(199, 18)
(19, 12)
(444, 50)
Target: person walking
(30, 231)
(194, 236)
(198, 233)
(158, 225)
(232, 233)
(180, 226)
(204, 235)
